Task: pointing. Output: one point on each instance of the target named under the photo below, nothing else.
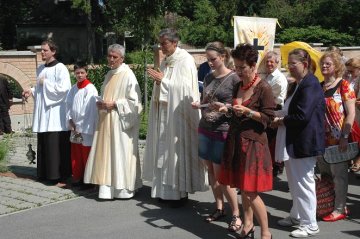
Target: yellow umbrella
(314, 54)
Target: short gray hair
(273, 54)
(117, 48)
(170, 34)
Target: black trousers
(53, 155)
(5, 122)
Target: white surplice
(81, 109)
(278, 83)
(113, 162)
(50, 107)
(171, 159)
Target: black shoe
(278, 169)
(77, 184)
(85, 187)
(178, 203)
(248, 235)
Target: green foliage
(143, 125)
(137, 57)
(204, 27)
(4, 149)
(198, 22)
(15, 87)
(315, 34)
(96, 74)
(137, 61)
(84, 5)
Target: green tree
(11, 12)
(315, 34)
(204, 27)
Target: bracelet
(250, 114)
(345, 136)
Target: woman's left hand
(343, 144)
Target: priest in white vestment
(49, 117)
(171, 159)
(81, 115)
(113, 162)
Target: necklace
(251, 83)
(328, 84)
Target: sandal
(233, 226)
(216, 215)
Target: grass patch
(4, 150)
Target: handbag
(325, 195)
(333, 155)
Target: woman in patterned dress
(339, 117)
(246, 161)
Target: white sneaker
(305, 231)
(288, 222)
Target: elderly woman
(213, 128)
(340, 113)
(304, 142)
(353, 71)
(246, 161)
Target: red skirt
(246, 165)
(355, 133)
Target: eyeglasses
(292, 64)
(326, 64)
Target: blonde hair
(337, 60)
(353, 62)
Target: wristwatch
(345, 136)
(250, 114)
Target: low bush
(4, 150)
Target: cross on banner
(256, 46)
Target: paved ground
(33, 210)
(19, 191)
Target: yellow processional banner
(257, 31)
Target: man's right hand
(26, 93)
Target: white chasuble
(114, 156)
(171, 159)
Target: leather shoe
(332, 218)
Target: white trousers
(109, 192)
(300, 174)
